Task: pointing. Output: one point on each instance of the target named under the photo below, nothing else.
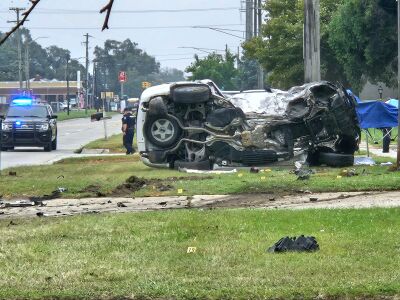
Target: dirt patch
(131, 185)
(134, 184)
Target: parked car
(27, 123)
(193, 125)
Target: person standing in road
(128, 126)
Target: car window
(27, 111)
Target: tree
(125, 56)
(280, 47)
(219, 68)
(363, 40)
(48, 63)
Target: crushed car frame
(193, 125)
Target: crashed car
(194, 125)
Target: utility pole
(18, 10)
(258, 20)
(87, 36)
(311, 41)
(249, 19)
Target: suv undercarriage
(192, 125)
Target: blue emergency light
(18, 123)
(22, 101)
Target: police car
(29, 124)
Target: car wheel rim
(162, 130)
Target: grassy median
(103, 176)
(144, 255)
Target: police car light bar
(22, 101)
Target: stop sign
(122, 77)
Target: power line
(132, 27)
(76, 12)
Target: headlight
(6, 127)
(44, 127)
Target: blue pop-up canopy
(376, 114)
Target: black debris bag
(299, 244)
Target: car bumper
(25, 138)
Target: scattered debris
(40, 214)
(348, 173)
(60, 176)
(18, 203)
(303, 174)
(313, 199)
(218, 172)
(387, 164)
(363, 161)
(271, 199)
(120, 204)
(163, 203)
(180, 191)
(12, 173)
(254, 170)
(62, 189)
(12, 223)
(299, 244)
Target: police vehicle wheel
(47, 148)
(54, 144)
(336, 159)
(162, 131)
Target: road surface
(72, 135)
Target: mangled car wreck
(193, 125)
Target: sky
(163, 28)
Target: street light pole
(27, 65)
(67, 78)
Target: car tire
(191, 93)
(157, 107)
(48, 147)
(336, 159)
(54, 144)
(162, 131)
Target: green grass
(74, 114)
(113, 143)
(109, 172)
(143, 255)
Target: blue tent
(376, 114)
(393, 102)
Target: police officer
(128, 125)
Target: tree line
(358, 44)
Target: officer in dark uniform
(128, 126)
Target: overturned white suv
(193, 125)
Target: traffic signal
(146, 84)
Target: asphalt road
(72, 135)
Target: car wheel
(336, 159)
(48, 147)
(162, 131)
(54, 144)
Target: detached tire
(336, 159)
(162, 131)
